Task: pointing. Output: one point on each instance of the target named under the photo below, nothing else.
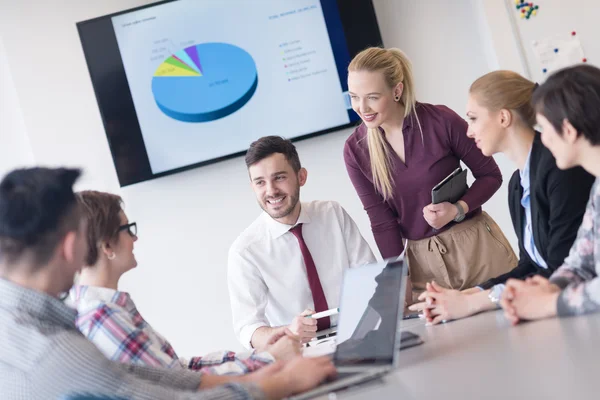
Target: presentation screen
(185, 83)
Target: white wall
(15, 149)
(499, 30)
(555, 19)
(188, 220)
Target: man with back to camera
(289, 262)
(44, 356)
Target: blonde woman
(546, 203)
(397, 155)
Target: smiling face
(485, 127)
(372, 99)
(277, 187)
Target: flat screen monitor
(186, 83)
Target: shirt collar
(525, 179)
(103, 294)
(39, 305)
(277, 229)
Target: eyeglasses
(131, 229)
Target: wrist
(275, 387)
(480, 301)
(461, 211)
(210, 381)
(464, 205)
(551, 304)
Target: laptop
(367, 343)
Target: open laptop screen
(371, 309)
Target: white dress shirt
(268, 283)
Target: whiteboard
(558, 18)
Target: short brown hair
(101, 210)
(269, 145)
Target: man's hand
(534, 298)
(439, 215)
(304, 328)
(284, 345)
(297, 376)
(211, 381)
(263, 373)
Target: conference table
(484, 357)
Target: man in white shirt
(290, 260)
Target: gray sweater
(43, 356)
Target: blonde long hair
(396, 68)
(507, 90)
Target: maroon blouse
(427, 162)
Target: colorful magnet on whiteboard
(544, 70)
(573, 33)
(584, 60)
(556, 50)
(529, 13)
(527, 9)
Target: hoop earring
(112, 256)
(397, 98)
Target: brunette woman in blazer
(546, 203)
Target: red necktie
(313, 279)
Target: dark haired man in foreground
(43, 355)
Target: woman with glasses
(109, 318)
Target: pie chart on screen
(205, 82)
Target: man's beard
(286, 211)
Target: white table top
(483, 357)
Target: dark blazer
(558, 202)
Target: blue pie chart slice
(205, 82)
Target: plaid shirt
(110, 320)
(579, 276)
(43, 356)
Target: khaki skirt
(461, 257)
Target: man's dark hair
(269, 145)
(572, 94)
(37, 209)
